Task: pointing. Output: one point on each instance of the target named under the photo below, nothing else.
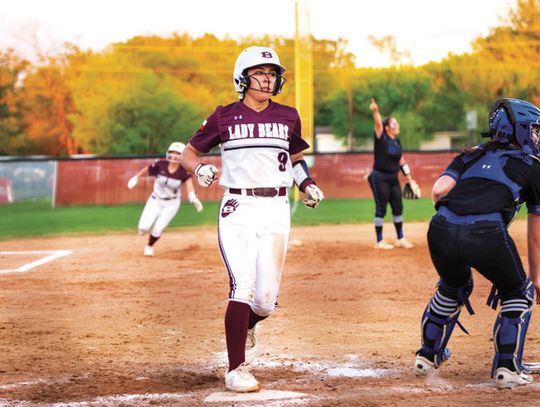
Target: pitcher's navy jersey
(387, 153)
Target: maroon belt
(260, 192)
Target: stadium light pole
(350, 105)
(303, 70)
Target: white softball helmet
(177, 147)
(253, 56)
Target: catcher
(477, 197)
(384, 181)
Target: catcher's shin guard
(440, 318)
(510, 328)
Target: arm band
(405, 169)
(301, 175)
(192, 196)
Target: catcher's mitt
(411, 190)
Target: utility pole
(472, 125)
(350, 104)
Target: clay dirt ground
(107, 326)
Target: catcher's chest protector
(490, 166)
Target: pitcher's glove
(314, 196)
(411, 190)
(206, 174)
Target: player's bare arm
(405, 169)
(442, 187)
(192, 195)
(377, 121)
(533, 245)
(190, 158)
(297, 157)
(135, 179)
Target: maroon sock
(236, 326)
(152, 239)
(254, 318)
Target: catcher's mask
(176, 147)
(515, 120)
(255, 56)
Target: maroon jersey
(255, 146)
(167, 185)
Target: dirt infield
(107, 326)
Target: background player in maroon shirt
(164, 202)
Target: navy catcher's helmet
(514, 119)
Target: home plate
(256, 396)
(352, 372)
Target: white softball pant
(253, 238)
(157, 215)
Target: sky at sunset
(428, 29)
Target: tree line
(137, 96)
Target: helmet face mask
(252, 57)
(256, 79)
(535, 134)
(175, 147)
(515, 120)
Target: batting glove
(198, 205)
(132, 182)
(314, 196)
(206, 174)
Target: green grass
(38, 218)
(357, 211)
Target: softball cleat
(405, 243)
(423, 366)
(506, 379)
(148, 251)
(384, 245)
(240, 380)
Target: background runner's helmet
(251, 57)
(177, 147)
(514, 119)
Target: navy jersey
(388, 152)
(479, 195)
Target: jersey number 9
(282, 158)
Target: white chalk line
(263, 395)
(273, 397)
(19, 384)
(52, 255)
(123, 398)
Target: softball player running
(164, 202)
(384, 181)
(476, 198)
(261, 152)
